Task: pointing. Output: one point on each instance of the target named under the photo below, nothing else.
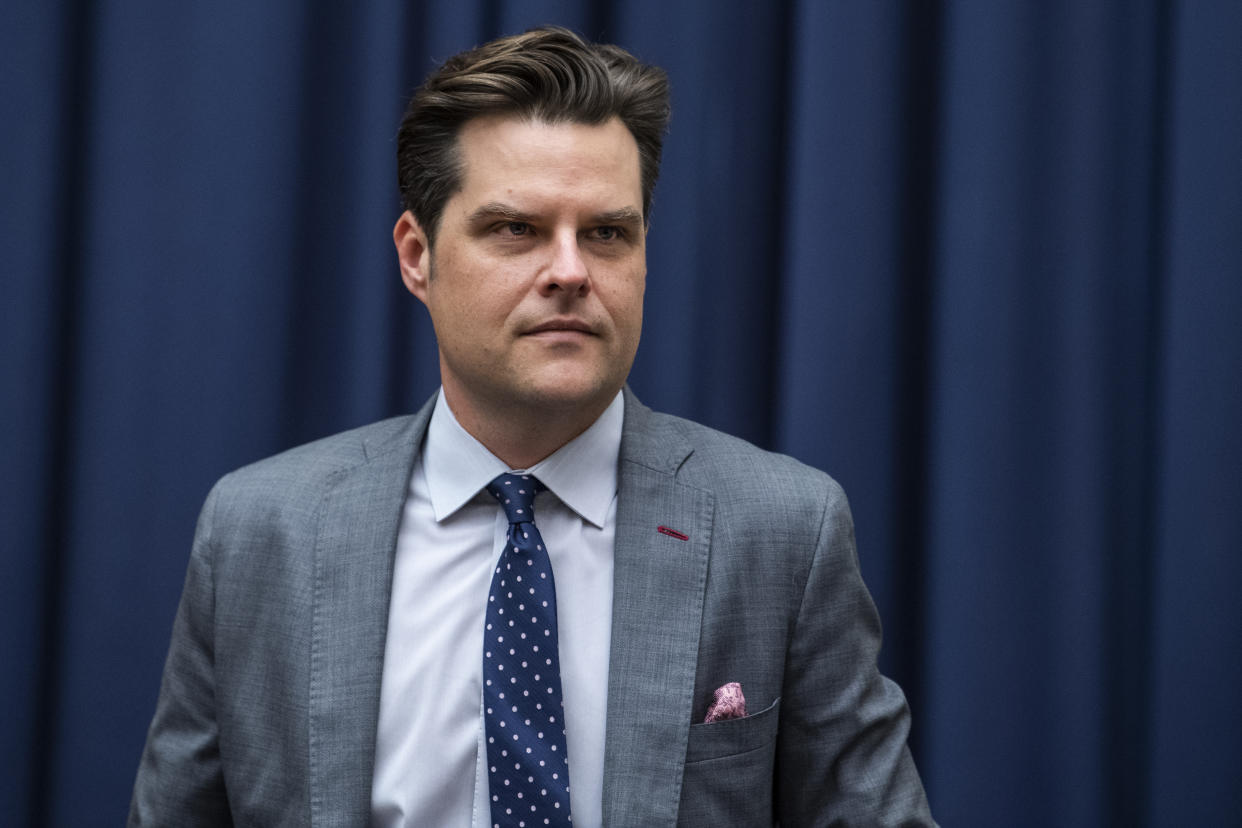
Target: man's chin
(563, 393)
(568, 399)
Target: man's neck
(523, 436)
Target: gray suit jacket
(268, 708)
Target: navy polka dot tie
(528, 766)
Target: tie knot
(516, 494)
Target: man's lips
(560, 326)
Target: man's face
(535, 283)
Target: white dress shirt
(430, 757)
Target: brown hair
(548, 74)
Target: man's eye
(517, 228)
(607, 233)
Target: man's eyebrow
(497, 210)
(624, 216)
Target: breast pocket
(728, 774)
(729, 737)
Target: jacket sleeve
(179, 777)
(842, 757)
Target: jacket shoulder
(324, 457)
(297, 478)
(735, 468)
(718, 456)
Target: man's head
(527, 166)
(548, 74)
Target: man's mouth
(561, 326)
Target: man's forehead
(508, 151)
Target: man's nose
(566, 270)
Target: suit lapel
(658, 588)
(356, 543)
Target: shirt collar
(582, 473)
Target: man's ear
(413, 255)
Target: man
(693, 646)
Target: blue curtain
(982, 261)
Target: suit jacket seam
(210, 551)
(821, 544)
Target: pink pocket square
(729, 703)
